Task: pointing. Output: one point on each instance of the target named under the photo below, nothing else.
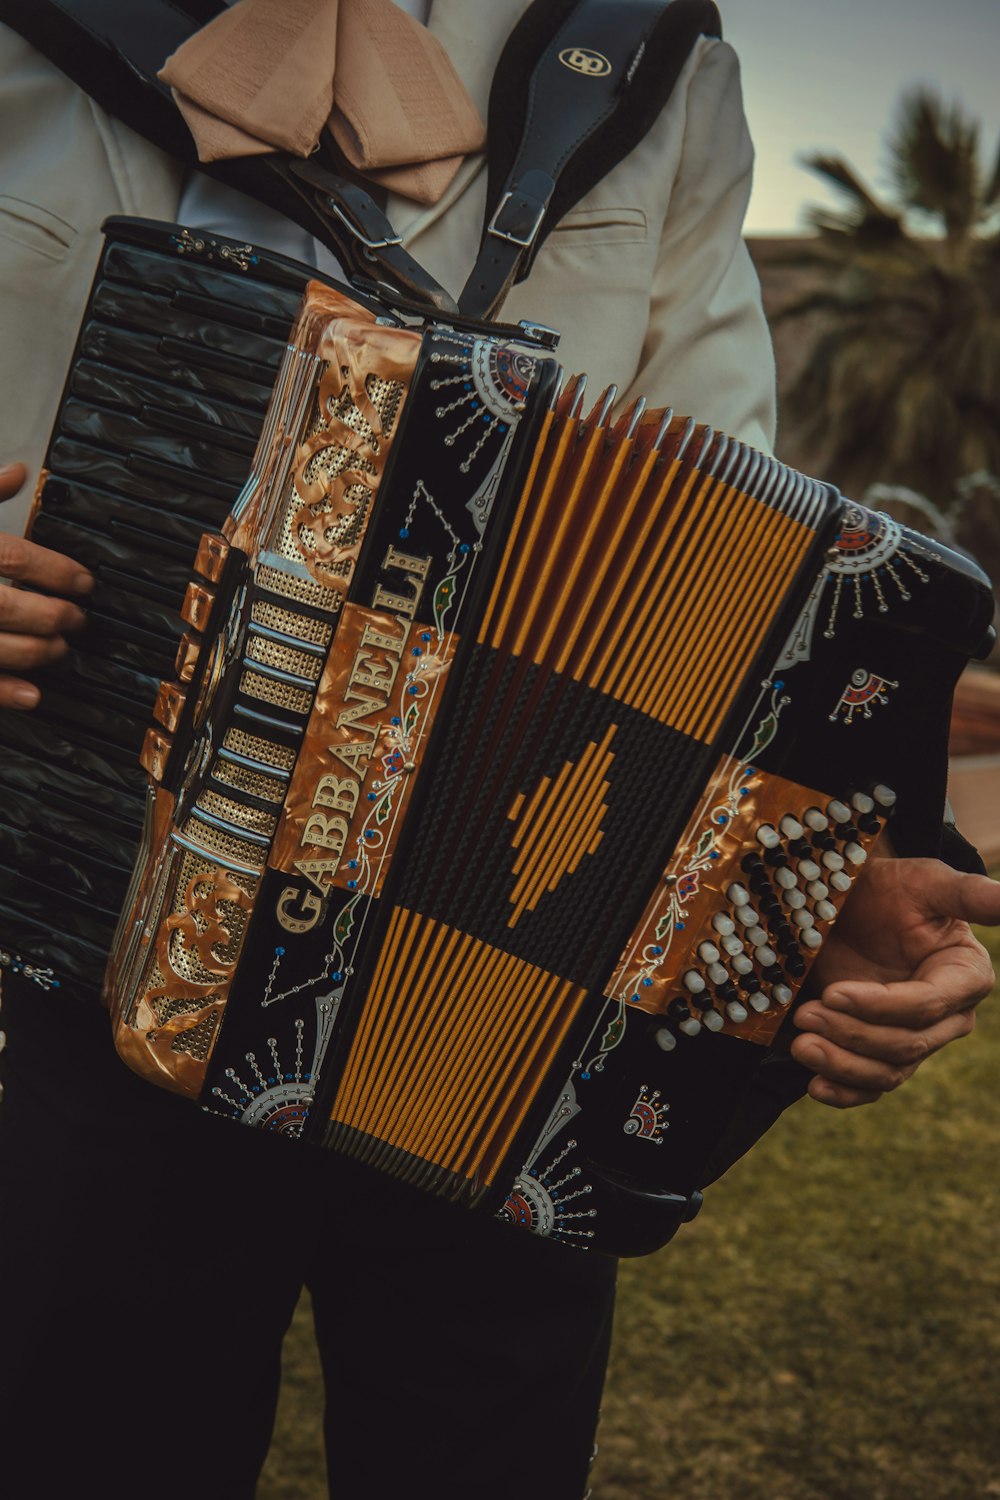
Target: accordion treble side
(517, 766)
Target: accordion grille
(239, 742)
(284, 658)
(294, 586)
(454, 1040)
(304, 627)
(276, 691)
(654, 586)
(254, 783)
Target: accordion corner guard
(508, 765)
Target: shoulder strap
(112, 50)
(578, 85)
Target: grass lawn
(827, 1329)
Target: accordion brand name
(343, 736)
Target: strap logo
(583, 60)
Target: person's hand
(33, 627)
(900, 977)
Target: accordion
(509, 765)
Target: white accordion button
(747, 917)
(723, 924)
(691, 1026)
(693, 982)
(709, 952)
(839, 812)
(766, 957)
(817, 890)
(713, 1021)
(826, 911)
(841, 881)
(665, 1040)
(732, 944)
(803, 918)
(785, 878)
(736, 1012)
(884, 796)
(717, 974)
(862, 803)
(759, 1002)
(832, 860)
(791, 827)
(768, 836)
(855, 853)
(743, 964)
(738, 896)
(795, 899)
(756, 936)
(811, 938)
(809, 869)
(782, 994)
(815, 819)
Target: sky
(826, 75)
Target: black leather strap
(578, 85)
(112, 50)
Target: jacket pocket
(35, 228)
(600, 226)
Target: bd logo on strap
(583, 60)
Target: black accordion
(508, 765)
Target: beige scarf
(270, 75)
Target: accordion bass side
(517, 766)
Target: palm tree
(902, 385)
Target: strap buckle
(385, 243)
(513, 238)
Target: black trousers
(151, 1257)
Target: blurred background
(827, 1328)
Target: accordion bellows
(517, 765)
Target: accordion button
(187, 656)
(665, 1039)
(841, 881)
(782, 994)
(759, 1002)
(768, 836)
(832, 860)
(826, 911)
(815, 819)
(154, 754)
(809, 869)
(211, 557)
(736, 1012)
(717, 974)
(197, 605)
(884, 796)
(693, 981)
(817, 890)
(811, 938)
(786, 878)
(732, 943)
(738, 896)
(796, 900)
(743, 964)
(757, 936)
(855, 853)
(804, 919)
(839, 812)
(862, 803)
(712, 1020)
(690, 1027)
(169, 705)
(791, 827)
(709, 952)
(747, 916)
(723, 924)
(765, 956)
